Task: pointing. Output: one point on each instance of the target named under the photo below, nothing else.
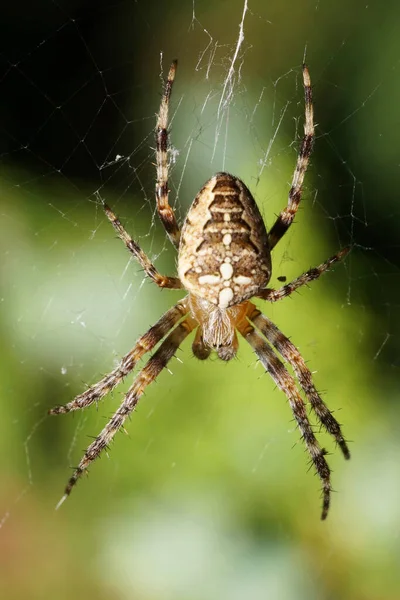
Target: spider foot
(326, 501)
(344, 448)
(58, 410)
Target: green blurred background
(210, 496)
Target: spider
(224, 260)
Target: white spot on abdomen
(225, 296)
(226, 270)
(210, 279)
(242, 280)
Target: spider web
(81, 86)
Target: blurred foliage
(210, 496)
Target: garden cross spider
(224, 259)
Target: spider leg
(200, 349)
(286, 217)
(165, 211)
(146, 376)
(291, 354)
(286, 383)
(274, 295)
(143, 345)
(161, 280)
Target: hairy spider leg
(285, 219)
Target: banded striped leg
(303, 374)
(286, 217)
(161, 280)
(144, 378)
(144, 344)
(165, 211)
(286, 383)
(274, 295)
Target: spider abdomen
(224, 255)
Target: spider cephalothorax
(224, 260)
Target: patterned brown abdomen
(223, 254)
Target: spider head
(216, 329)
